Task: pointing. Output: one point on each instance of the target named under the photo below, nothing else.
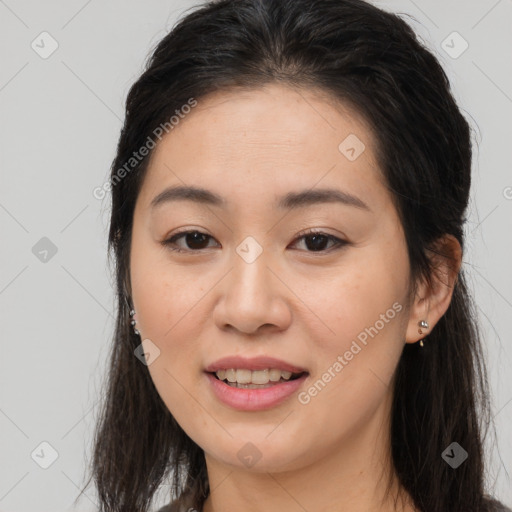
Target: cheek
(166, 298)
(357, 305)
(353, 376)
(167, 314)
(363, 310)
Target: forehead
(266, 142)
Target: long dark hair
(371, 60)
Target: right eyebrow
(184, 193)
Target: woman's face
(251, 285)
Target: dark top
(188, 506)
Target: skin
(292, 303)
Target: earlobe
(433, 300)
(420, 322)
(423, 324)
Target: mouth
(255, 379)
(255, 390)
(254, 383)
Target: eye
(196, 241)
(318, 239)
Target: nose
(253, 298)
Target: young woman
(294, 330)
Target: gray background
(60, 121)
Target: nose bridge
(251, 275)
(251, 296)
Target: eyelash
(169, 243)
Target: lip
(254, 399)
(252, 363)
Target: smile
(249, 395)
(256, 378)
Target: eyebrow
(292, 200)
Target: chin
(257, 456)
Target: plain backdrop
(60, 117)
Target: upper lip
(252, 363)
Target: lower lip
(254, 399)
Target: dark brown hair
(371, 60)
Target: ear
(431, 302)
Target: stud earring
(423, 325)
(134, 321)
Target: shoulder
(501, 508)
(493, 505)
(179, 506)
(184, 504)
(175, 506)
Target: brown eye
(194, 240)
(316, 241)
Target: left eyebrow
(292, 200)
(304, 198)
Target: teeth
(259, 377)
(243, 376)
(275, 375)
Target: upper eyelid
(301, 234)
(306, 232)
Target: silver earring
(133, 321)
(423, 325)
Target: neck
(357, 475)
